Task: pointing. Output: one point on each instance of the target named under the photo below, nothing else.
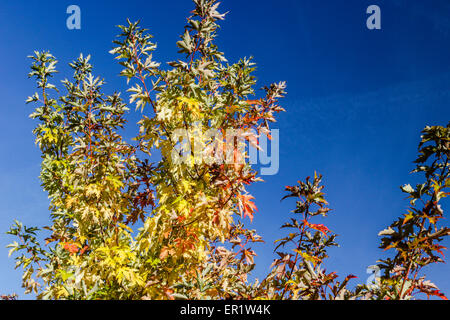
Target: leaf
(246, 206)
(408, 217)
(179, 296)
(65, 275)
(319, 227)
(386, 232)
(407, 188)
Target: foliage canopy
(193, 242)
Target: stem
(305, 217)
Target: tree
(164, 217)
(415, 237)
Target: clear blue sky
(357, 100)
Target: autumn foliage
(128, 222)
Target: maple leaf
(254, 102)
(439, 248)
(319, 227)
(231, 109)
(437, 293)
(248, 256)
(71, 247)
(246, 206)
(85, 248)
(164, 253)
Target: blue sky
(357, 100)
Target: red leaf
(319, 227)
(438, 293)
(246, 206)
(72, 248)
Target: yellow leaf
(408, 217)
(124, 226)
(192, 105)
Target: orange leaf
(83, 250)
(246, 206)
(253, 102)
(164, 253)
(72, 248)
(319, 227)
